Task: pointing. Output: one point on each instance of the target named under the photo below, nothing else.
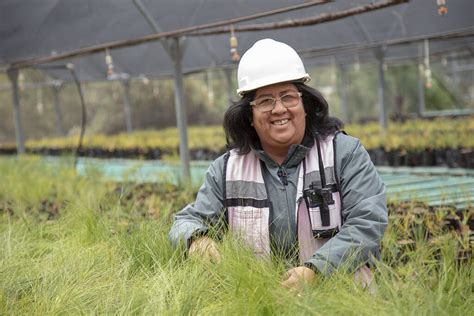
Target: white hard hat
(268, 62)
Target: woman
(292, 184)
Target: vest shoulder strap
(336, 174)
(224, 175)
(243, 181)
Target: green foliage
(206, 98)
(438, 98)
(417, 134)
(152, 105)
(105, 251)
(413, 135)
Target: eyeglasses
(267, 104)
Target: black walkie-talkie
(322, 198)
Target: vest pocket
(320, 231)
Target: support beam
(20, 141)
(57, 109)
(177, 51)
(369, 43)
(321, 18)
(126, 104)
(381, 92)
(194, 30)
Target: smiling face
(280, 128)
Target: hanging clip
(442, 8)
(110, 63)
(233, 45)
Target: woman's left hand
(295, 278)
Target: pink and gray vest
(317, 203)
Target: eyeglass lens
(266, 104)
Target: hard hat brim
(266, 82)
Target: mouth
(281, 122)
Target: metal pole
(59, 117)
(421, 85)
(381, 90)
(175, 49)
(126, 104)
(346, 117)
(20, 143)
(177, 55)
(455, 70)
(230, 90)
(421, 92)
(210, 87)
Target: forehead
(275, 89)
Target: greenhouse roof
(44, 29)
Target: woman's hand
(205, 248)
(295, 278)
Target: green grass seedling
(102, 248)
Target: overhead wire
(167, 34)
(321, 18)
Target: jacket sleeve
(364, 211)
(205, 212)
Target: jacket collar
(295, 155)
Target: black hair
(241, 134)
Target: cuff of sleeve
(181, 234)
(312, 267)
(195, 235)
(319, 267)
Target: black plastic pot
(428, 157)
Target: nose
(278, 108)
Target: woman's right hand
(205, 248)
